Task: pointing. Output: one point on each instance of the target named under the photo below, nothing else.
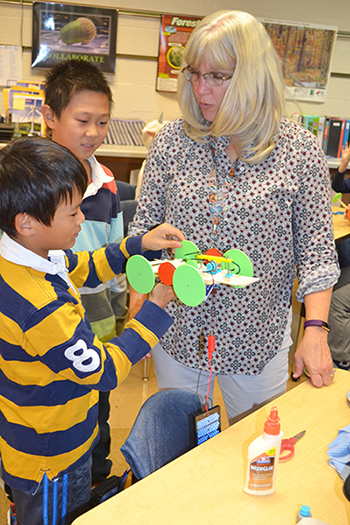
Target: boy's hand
(162, 295)
(347, 213)
(164, 236)
(345, 158)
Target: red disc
(165, 273)
(214, 251)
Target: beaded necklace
(218, 197)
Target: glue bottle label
(261, 471)
(263, 455)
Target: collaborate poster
(306, 53)
(175, 30)
(67, 31)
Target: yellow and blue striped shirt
(51, 363)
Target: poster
(26, 113)
(306, 53)
(175, 30)
(10, 64)
(67, 31)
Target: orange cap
(272, 425)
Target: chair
(161, 431)
(128, 208)
(128, 203)
(126, 191)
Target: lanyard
(218, 198)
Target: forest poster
(306, 54)
(175, 30)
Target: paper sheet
(10, 65)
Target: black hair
(36, 175)
(70, 77)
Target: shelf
(138, 152)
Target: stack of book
(336, 135)
(6, 132)
(332, 132)
(125, 132)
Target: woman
(233, 173)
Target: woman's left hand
(313, 353)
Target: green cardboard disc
(140, 274)
(337, 197)
(187, 248)
(193, 262)
(188, 285)
(241, 264)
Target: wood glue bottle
(263, 456)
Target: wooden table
(341, 225)
(205, 486)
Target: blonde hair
(253, 105)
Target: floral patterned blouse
(278, 212)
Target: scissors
(288, 444)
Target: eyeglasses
(211, 79)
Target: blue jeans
(161, 431)
(55, 502)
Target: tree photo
(306, 53)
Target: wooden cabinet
(121, 160)
(120, 166)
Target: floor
(126, 401)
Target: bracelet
(317, 322)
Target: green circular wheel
(193, 262)
(140, 274)
(241, 264)
(188, 248)
(188, 285)
(337, 197)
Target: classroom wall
(133, 84)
